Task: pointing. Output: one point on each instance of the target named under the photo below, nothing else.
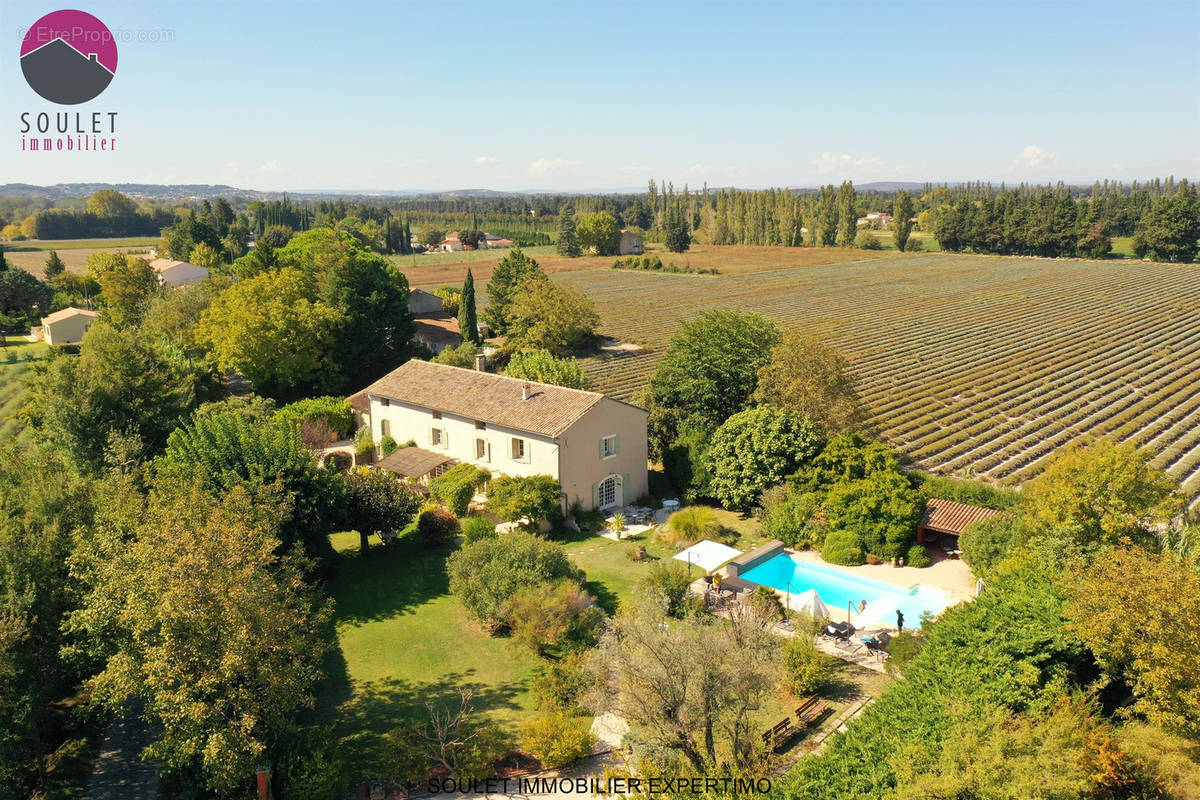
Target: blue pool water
(837, 588)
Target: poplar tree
(902, 211)
(467, 323)
(847, 216)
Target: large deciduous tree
(599, 233)
(548, 316)
(273, 330)
(513, 271)
(378, 502)
(542, 366)
(487, 574)
(756, 449)
(122, 384)
(1099, 493)
(127, 285)
(515, 498)
(244, 444)
(812, 378)
(709, 373)
(373, 331)
(214, 630)
(22, 295)
(684, 684)
(1139, 613)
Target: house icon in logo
(68, 57)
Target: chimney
(481, 362)
(526, 391)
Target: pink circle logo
(68, 57)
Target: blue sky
(572, 95)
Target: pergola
(949, 518)
(416, 463)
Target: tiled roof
(359, 401)
(438, 328)
(486, 397)
(947, 516)
(67, 313)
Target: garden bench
(781, 734)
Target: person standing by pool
(899, 621)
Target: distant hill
(148, 190)
(892, 186)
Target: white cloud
(484, 160)
(830, 164)
(269, 168)
(1033, 159)
(544, 166)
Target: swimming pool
(838, 588)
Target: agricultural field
(30, 255)
(16, 360)
(441, 269)
(971, 365)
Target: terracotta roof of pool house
(947, 516)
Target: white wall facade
(460, 436)
(599, 461)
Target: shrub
(902, 649)
(913, 245)
(670, 580)
(387, 446)
(796, 521)
(469, 749)
(364, 445)
(841, 547)
(535, 497)
(560, 684)
(556, 739)
(635, 552)
(617, 523)
(485, 575)
(986, 543)
(455, 487)
(688, 526)
(475, 529)
(918, 556)
(805, 668)
(767, 603)
(313, 767)
(865, 241)
(437, 527)
(333, 411)
(555, 616)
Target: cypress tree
(847, 217)
(568, 239)
(468, 327)
(54, 266)
(3, 261)
(902, 211)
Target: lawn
(402, 640)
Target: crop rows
(985, 366)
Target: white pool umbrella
(707, 554)
(808, 602)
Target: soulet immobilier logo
(68, 57)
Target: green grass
(611, 576)
(1122, 246)
(13, 376)
(888, 240)
(76, 244)
(402, 640)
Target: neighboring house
(876, 219)
(423, 302)
(630, 244)
(451, 244)
(177, 273)
(67, 326)
(437, 331)
(491, 241)
(594, 445)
